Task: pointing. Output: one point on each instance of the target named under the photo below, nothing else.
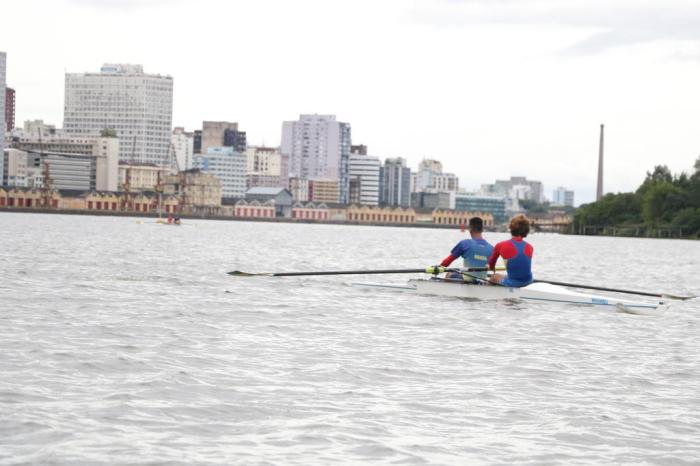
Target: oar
(615, 290)
(429, 270)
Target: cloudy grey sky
(492, 88)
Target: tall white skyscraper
(3, 58)
(138, 106)
(318, 147)
(364, 170)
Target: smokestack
(599, 190)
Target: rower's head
(519, 226)
(476, 226)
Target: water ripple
(122, 343)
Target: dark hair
(519, 226)
(476, 224)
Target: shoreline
(99, 213)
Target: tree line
(663, 201)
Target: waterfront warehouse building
(281, 198)
(318, 147)
(228, 166)
(137, 105)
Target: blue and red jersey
(475, 252)
(517, 255)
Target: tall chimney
(599, 190)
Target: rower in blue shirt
(475, 252)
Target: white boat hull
(537, 292)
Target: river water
(126, 342)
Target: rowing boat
(536, 292)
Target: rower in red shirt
(517, 255)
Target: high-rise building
(562, 196)
(9, 108)
(431, 165)
(222, 134)
(17, 171)
(431, 179)
(517, 187)
(326, 191)
(228, 166)
(137, 105)
(266, 167)
(182, 147)
(3, 58)
(358, 149)
(364, 176)
(236, 139)
(318, 146)
(197, 141)
(395, 183)
(299, 189)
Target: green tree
(688, 219)
(612, 209)
(661, 174)
(661, 201)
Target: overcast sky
(492, 88)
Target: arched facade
(458, 217)
(371, 214)
(254, 209)
(310, 211)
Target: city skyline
(528, 100)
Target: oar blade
(615, 290)
(680, 298)
(239, 273)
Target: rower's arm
(447, 261)
(458, 251)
